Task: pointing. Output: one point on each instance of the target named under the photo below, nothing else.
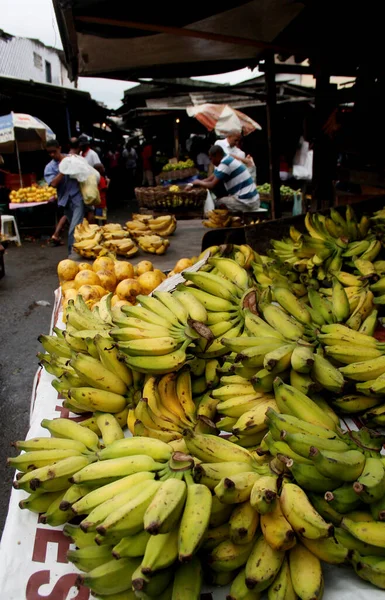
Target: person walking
(241, 189)
(68, 191)
(90, 155)
(131, 158)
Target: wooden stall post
(324, 162)
(271, 107)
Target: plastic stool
(7, 222)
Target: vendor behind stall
(68, 191)
(242, 192)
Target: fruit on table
(221, 218)
(143, 266)
(123, 270)
(149, 281)
(243, 346)
(34, 193)
(67, 270)
(128, 289)
(154, 244)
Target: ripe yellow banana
(243, 523)
(301, 515)
(165, 510)
(276, 529)
(263, 565)
(195, 520)
(131, 546)
(306, 573)
(92, 399)
(107, 471)
(282, 586)
(161, 552)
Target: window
(48, 72)
(38, 61)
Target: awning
(122, 40)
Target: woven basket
(177, 174)
(161, 197)
(267, 197)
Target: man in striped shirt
(242, 192)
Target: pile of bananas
(269, 349)
(178, 166)
(164, 225)
(122, 247)
(220, 217)
(88, 238)
(92, 240)
(138, 227)
(153, 244)
(285, 190)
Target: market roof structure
(122, 40)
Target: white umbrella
(23, 133)
(222, 118)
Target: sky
(36, 19)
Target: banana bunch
(163, 226)
(86, 231)
(89, 248)
(166, 407)
(122, 245)
(138, 227)
(114, 231)
(330, 242)
(218, 218)
(153, 338)
(153, 244)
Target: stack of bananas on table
(92, 240)
(158, 521)
(220, 217)
(153, 244)
(123, 247)
(88, 238)
(268, 349)
(164, 225)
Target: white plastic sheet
(33, 563)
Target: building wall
(29, 59)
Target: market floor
(31, 277)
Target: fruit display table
(14, 205)
(33, 555)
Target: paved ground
(30, 277)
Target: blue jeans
(74, 211)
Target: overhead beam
(183, 32)
(305, 70)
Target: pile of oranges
(34, 193)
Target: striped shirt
(236, 179)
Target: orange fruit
(103, 263)
(83, 266)
(67, 270)
(128, 289)
(149, 281)
(107, 279)
(143, 266)
(182, 264)
(123, 270)
(86, 278)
